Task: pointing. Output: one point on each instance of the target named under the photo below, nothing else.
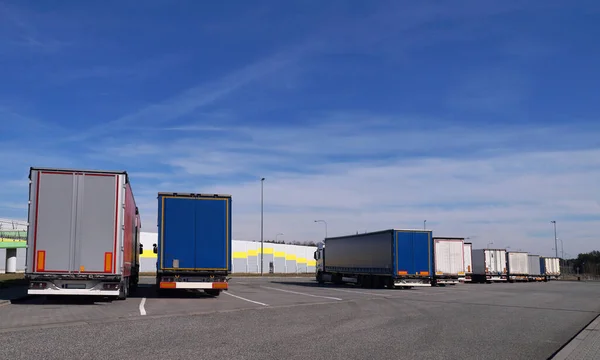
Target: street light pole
(555, 240)
(324, 222)
(262, 181)
(424, 222)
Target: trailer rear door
(178, 225)
(413, 253)
(75, 222)
(212, 233)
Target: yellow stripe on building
(301, 260)
(252, 253)
(290, 257)
(280, 254)
(148, 254)
(311, 263)
(240, 255)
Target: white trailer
(550, 267)
(489, 265)
(468, 263)
(517, 265)
(448, 254)
(83, 233)
(535, 273)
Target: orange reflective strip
(167, 285)
(219, 285)
(402, 272)
(108, 262)
(41, 260)
(424, 273)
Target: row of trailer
(398, 258)
(84, 236)
(499, 265)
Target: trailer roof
(89, 171)
(378, 232)
(192, 194)
(449, 238)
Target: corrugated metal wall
(246, 257)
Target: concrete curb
(21, 298)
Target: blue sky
(481, 117)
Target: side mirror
(141, 248)
(154, 249)
(315, 255)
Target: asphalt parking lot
(275, 318)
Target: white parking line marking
(299, 293)
(241, 298)
(142, 310)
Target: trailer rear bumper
(466, 278)
(496, 278)
(85, 292)
(194, 285)
(519, 277)
(73, 287)
(410, 282)
(447, 281)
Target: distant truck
(489, 265)
(194, 242)
(83, 233)
(449, 266)
(517, 266)
(468, 264)
(535, 273)
(388, 258)
(550, 267)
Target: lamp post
(555, 240)
(262, 181)
(324, 222)
(424, 224)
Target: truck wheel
(124, 290)
(213, 292)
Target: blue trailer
(194, 242)
(389, 258)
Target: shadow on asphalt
(325, 286)
(143, 291)
(151, 292)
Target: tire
(124, 290)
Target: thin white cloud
(505, 196)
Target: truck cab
(318, 256)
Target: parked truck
(468, 264)
(535, 273)
(550, 267)
(449, 266)
(517, 266)
(489, 265)
(194, 242)
(83, 233)
(389, 258)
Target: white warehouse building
(277, 258)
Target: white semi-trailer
(517, 266)
(489, 265)
(468, 263)
(83, 233)
(448, 254)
